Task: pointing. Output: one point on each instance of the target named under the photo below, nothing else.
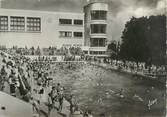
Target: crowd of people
(57, 93)
(139, 67)
(29, 80)
(153, 71)
(13, 74)
(50, 51)
(76, 54)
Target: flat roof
(95, 2)
(38, 11)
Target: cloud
(117, 6)
(49, 5)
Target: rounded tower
(95, 28)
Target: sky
(120, 11)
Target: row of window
(98, 15)
(97, 52)
(98, 28)
(97, 42)
(3, 23)
(33, 24)
(69, 34)
(18, 23)
(69, 21)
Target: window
(94, 52)
(33, 24)
(77, 34)
(65, 21)
(98, 42)
(97, 52)
(98, 15)
(86, 52)
(98, 28)
(102, 52)
(3, 23)
(17, 23)
(78, 22)
(65, 34)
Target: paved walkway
(14, 107)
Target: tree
(112, 48)
(156, 39)
(143, 40)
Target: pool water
(110, 92)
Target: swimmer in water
(120, 93)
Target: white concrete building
(40, 28)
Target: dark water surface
(97, 89)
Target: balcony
(98, 22)
(98, 48)
(98, 35)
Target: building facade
(40, 28)
(95, 17)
